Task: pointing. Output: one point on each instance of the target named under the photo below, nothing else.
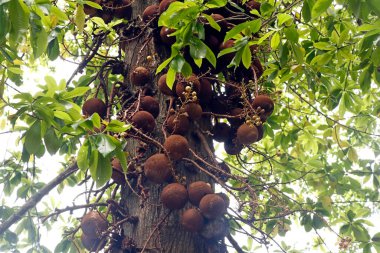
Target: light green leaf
(76, 92)
(246, 56)
(117, 126)
(80, 18)
(83, 158)
(275, 41)
(215, 3)
(283, 18)
(252, 26)
(105, 144)
(319, 7)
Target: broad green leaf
(212, 22)
(83, 158)
(104, 144)
(93, 5)
(80, 17)
(215, 3)
(122, 156)
(19, 18)
(324, 46)
(319, 7)
(33, 138)
(306, 11)
(170, 77)
(117, 126)
(283, 18)
(246, 56)
(103, 171)
(76, 92)
(52, 142)
(53, 49)
(198, 49)
(38, 36)
(252, 26)
(275, 41)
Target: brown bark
(158, 229)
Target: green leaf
(80, 18)
(215, 3)
(104, 144)
(19, 17)
(170, 77)
(77, 92)
(360, 233)
(93, 5)
(38, 36)
(51, 140)
(318, 222)
(283, 18)
(252, 26)
(5, 25)
(210, 56)
(122, 156)
(324, 46)
(164, 64)
(275, 41)
(376, 237)
(83, 160)
(117, 126)
(306, 11)
(198, 49)
(246, 56)
(365, 80)
(319, 7)
(103, 171)
(374, 6)
(33, 138)
(321, 59)
(291, 34)
(53, 49)
(212, 22)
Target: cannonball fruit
(221, 132)
(265, 103)
(247, 134)
(212, 206)
(164, 5)
(123, 9)
(177, 147)
(197, 190)
(117, 172)
(163, 87)
(232, 147)
(92, 244)
(93, 224)
(150, 12)
(151, 105)
(94, 105)
(194, 110)
(192, 220)
(178, 124)
(174, 196)
(140, 76)
(144, 121)
(205, 92)
(164, 35)
(157, 168)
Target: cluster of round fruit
(93, 225)
(110, 9)
(208, 207)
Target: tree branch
(32, 202)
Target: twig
(32, 202)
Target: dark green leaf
(33, 138)
(38, 36)
(53, 49)
(252, 26)
(103, 171)
(83, 158)
(51, 140)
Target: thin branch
(32, 202)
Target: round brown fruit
(253, 5)
(212, 206)
(224, 167)
(197, 190)
(191, 81)
(177, 124)
(123, 9)
(264, 102)
(93, 224)
(225, 198)
(117, 172)
(221, 132)
(92, 244)
(144, 121)
(231, 147)
(94, 105)
(177, 147)
(150, 12)
(164, 35)
(151, 105)
(174, 196)
(260, 129)
(192, 220)
(205, 92)
(163, 87)
(164, 5)
(157, 168)
(247, 134)
(140, 76)
(238, 114)
(194, 110)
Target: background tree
(289, 87)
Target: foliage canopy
(321, 66)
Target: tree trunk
(157, 229)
